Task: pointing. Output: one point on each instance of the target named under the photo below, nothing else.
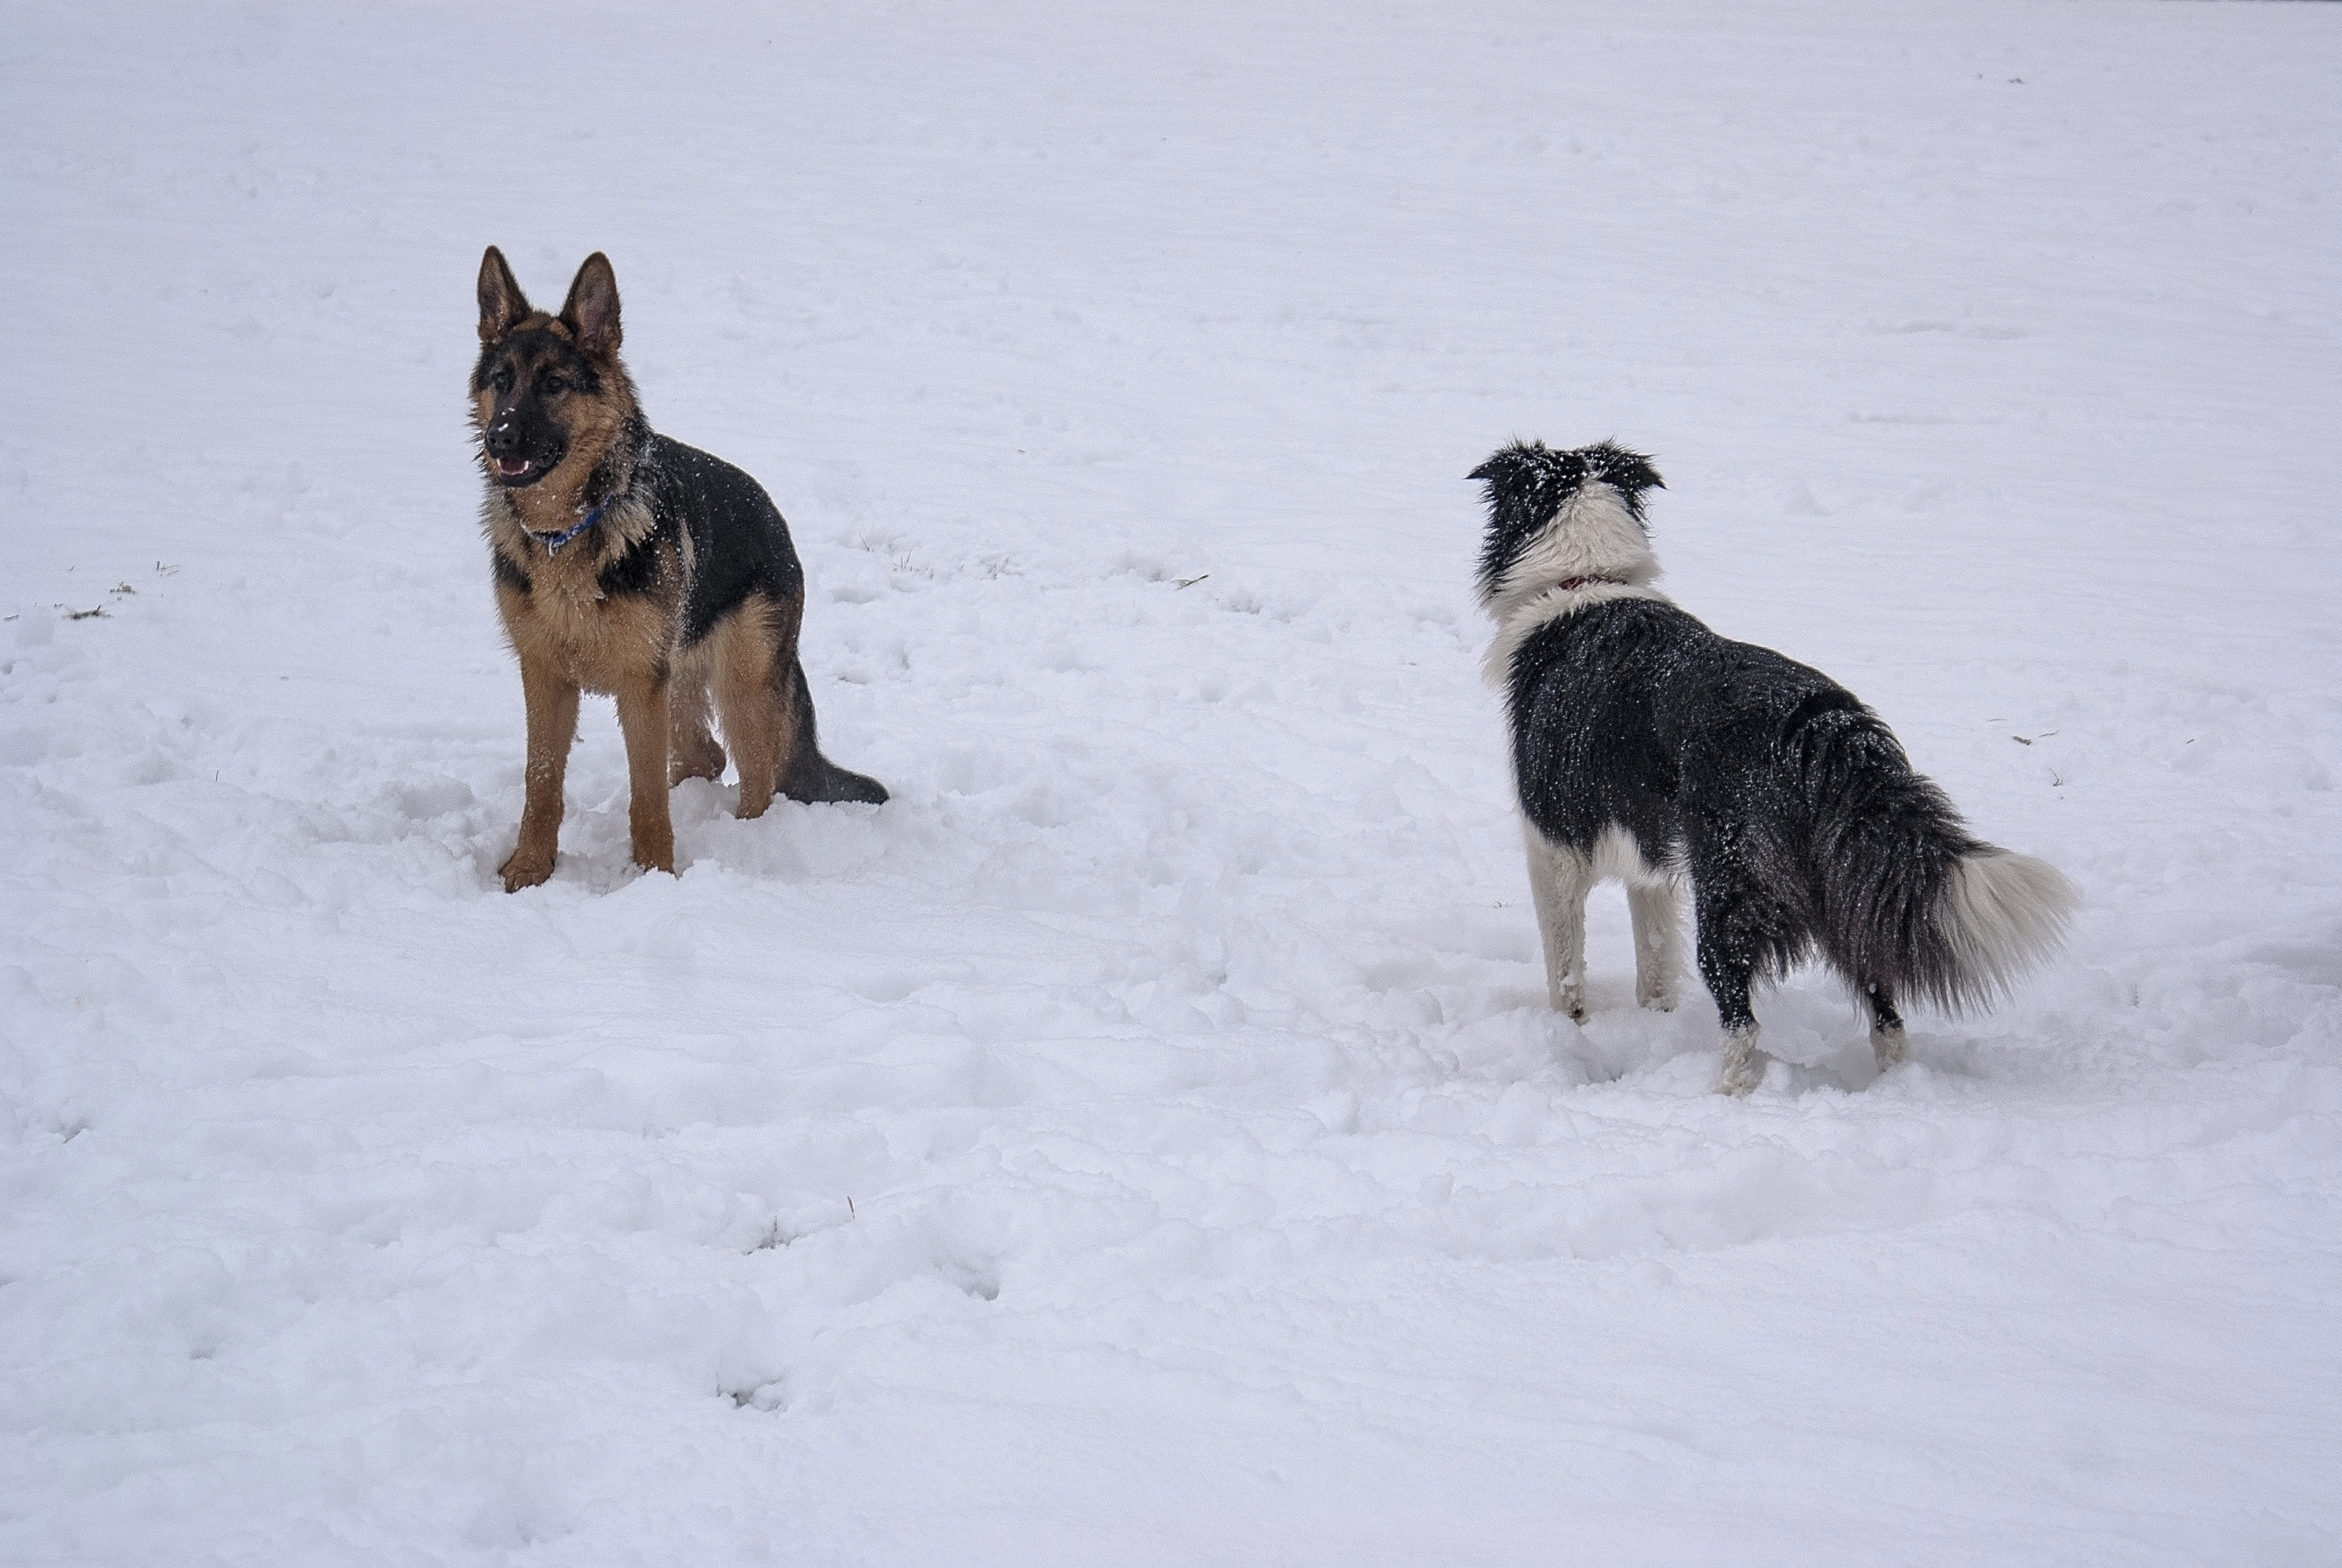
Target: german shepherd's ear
(502, 304)
(591, 311)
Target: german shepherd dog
(1648, 748)
(631, 565)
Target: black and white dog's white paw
(1744, 1064)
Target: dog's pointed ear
(591, 311)
(502, 304)
(1507, 465)
(1629, 472)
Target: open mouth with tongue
(514, 471)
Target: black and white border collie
(1648, 748)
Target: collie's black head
(1529, 483)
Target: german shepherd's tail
(1907, 899)
(813, 777)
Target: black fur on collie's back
(1789, 805)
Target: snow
(1144, 1140)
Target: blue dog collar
(553, 542)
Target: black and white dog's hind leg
(1887, 1043)
(1738, 942)
(1744, 1063)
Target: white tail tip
(2004, 914)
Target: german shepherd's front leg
(552, 700)
(643, 715)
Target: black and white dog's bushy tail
(1907, 897)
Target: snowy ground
(1143, 1141)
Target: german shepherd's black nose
(519, 449)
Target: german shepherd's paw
(694, 758)
(524, 870)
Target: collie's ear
(1510, 462)
(1527, 482)
(591, 311)
(502, 304)
(1630, 472)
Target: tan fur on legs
(695, 754)
(552, 700)
(751, 722)
(643, 715)
(742, 653)
(782, 621)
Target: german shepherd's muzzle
(632, 564)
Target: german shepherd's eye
(503, 379)
(552, 382)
